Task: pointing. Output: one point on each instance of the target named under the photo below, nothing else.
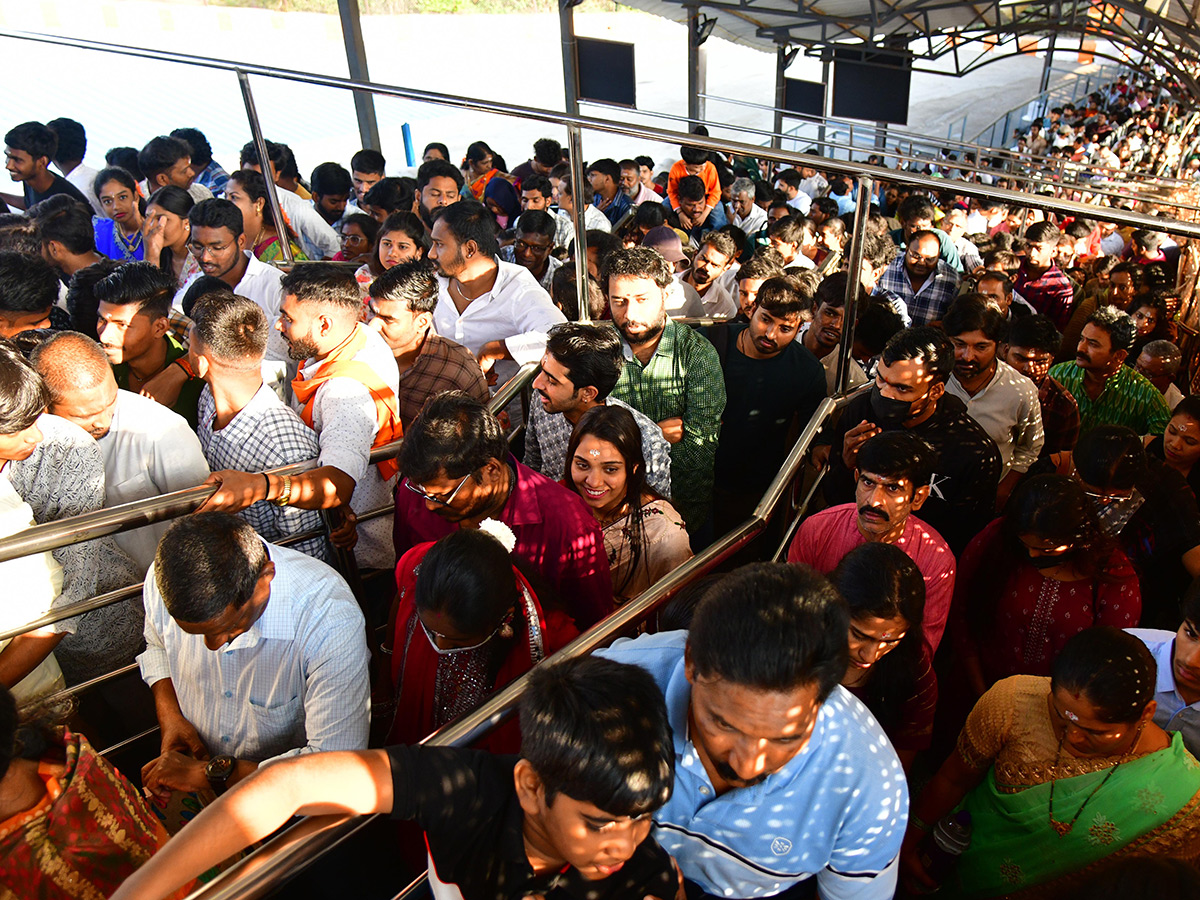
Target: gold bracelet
(285, 496)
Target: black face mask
(889, 413)
(1049, 562)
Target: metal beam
(697, 66)
(356, 61)
(1048, 66)
(781, 64)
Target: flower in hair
(500, 532)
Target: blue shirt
(837, 810)
(1173, 712)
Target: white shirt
(199, 192)
(295, 682)
(801, 201)
(716, 301)
(316, 237)
(1008, 410)
(149, 450)
(346, 424)
(84, 178)
(517, 310)
(756, 221)
(683, 303)
(815, 186)
(594, 219)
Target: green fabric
(189, 395)
(1013, 846)
(683, 378)
(1127, 399)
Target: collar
(666, 344)
(245, 421)
(522, 506)
(254, 269)
(277, 622)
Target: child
(569, 817)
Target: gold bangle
(285, 496)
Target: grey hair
(743, 186)
(1171, 358)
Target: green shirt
(1127, 399)
(189, 394)
(684, 379)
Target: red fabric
(1025, 635)
(414, 707)
(340, 363)
(913, 728)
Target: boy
(594, 732)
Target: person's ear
(162, 179)
(920, 495)
(423, 321)
(161, 326)
(241, 242)
(531, 794)
(201, 365)
(470, 248)
(588, 394)
(936, 391)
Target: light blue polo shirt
(837, 810)
(1173, 712)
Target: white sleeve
(344, 414)
(178, 461)
(318, 240)
(535, 315)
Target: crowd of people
(992, 605)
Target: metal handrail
(559, 118)
(298, 846)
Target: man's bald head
(80, 379)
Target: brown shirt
(442, 366)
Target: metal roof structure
(973, 34)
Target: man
(28, 149)
(401, 307)
(632, 185)
(243, 425)
(68, 239)
(494, 309)
(823, 335)
(910, 394)
(580, 367)
(167, 160)
(771, 383)
(704, 280)
(547, 153)
(787, 237)
(209, 172)
(438, 186)
(1159, 363)
(459, 471)
(367, 168)
(955, 224)
(788, 183)
(812, 182)
(604, 176)
(1030, 348)
(998, 287)
(921, 279)
(915, 214)
(1040, 280)
(1125, 283)
(537, 194)
(823, 209)
(316, 237)
(892, 478)
(997, 396)
(592, 217)
(68, 157)
(747, 215)
(671, 374)
(148, 450)
(331, 187)
(1177, 687)
(135, 302)
(750, 277)
(535, 231)
(346, 391)
(254, 652)
(28, 290)
(693, 203)
(779, 776)
(1108, 391)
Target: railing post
(264, 163)
(579, 201)
(854, 282)
(781, 64)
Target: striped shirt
(929, 302)
(295, 682)
(1127, 399)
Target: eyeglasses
(430, 498)
(198, 250)
(520, 245)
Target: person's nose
(747, 759)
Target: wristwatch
(217, 771)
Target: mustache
(726, 771)
(870, 510)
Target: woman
(119, 236)
(503, 202)
(467, 623)
(890, 669)
(71, 826)
(478, 168)
(359, 233)
(247, 190)
(166, 231)
(1034, 578)
(435, 150)
(401, 238)
(1061, 775)
(1179, 445)
(643, 534)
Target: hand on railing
(344, 533)
(235, 490)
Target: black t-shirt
(762, 396)
(1165, 527)
(59, 186)
(962, 495)
(467, 804)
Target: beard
(301, 348)
(645, 337)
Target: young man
(68, 239)
(569, 818)
(167, 160)
(28, 150)
(750, 277)
(72, 147)
(1108, 391)
(771, 381)
(671, 374)
(28, 290)
(788, 182)
(438, 185)
(823, 335)
(604, 175)
(580, 367)
(209, 172)
(787, 237)
(921, 279)
(538, 193)
(1040, 280)
(891, 484)
(367, 168)
(781, 778)
(1178, 686)
(401, 306)
(535, 239)
(693, 207)
(1030, 348)
(135, 302)
(331, 188)
(703, 280)
(547, 153)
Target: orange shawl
(340, 363)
